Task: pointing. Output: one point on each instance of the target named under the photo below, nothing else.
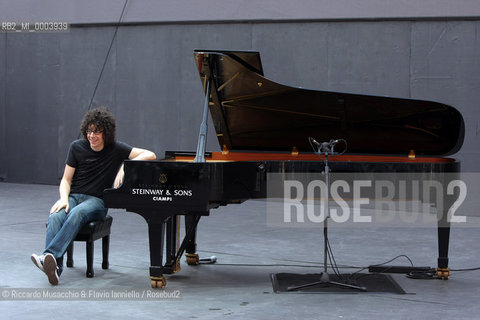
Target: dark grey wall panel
(350, 57)
(92, 11)
(151, 84)
(32, 99)
(3, 97)
(445, 67)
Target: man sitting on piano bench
(93, 164)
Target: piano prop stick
(202, 137)
(262, 128)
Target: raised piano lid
(251, 113)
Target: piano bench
(90, 232)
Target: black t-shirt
(95, 171)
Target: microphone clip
(326, 148)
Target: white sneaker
(50, 268)
(38, 260)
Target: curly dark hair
(103, 120)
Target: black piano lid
(251, 113)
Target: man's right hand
(64, 190)
(59, 205)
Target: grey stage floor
(238, 285)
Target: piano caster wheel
(158, 282)
(443, 273)
(192, 259)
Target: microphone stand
(326, 149)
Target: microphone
(314, 141)
(329, 146)
(326, 147)
(332, 143)
(211, 259)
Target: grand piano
(263, 127)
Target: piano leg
(172, 264)
(155, 234)
(191, 245)
(443, 272)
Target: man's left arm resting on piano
(135, 154)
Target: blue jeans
(63, 227)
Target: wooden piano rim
(255, 156)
